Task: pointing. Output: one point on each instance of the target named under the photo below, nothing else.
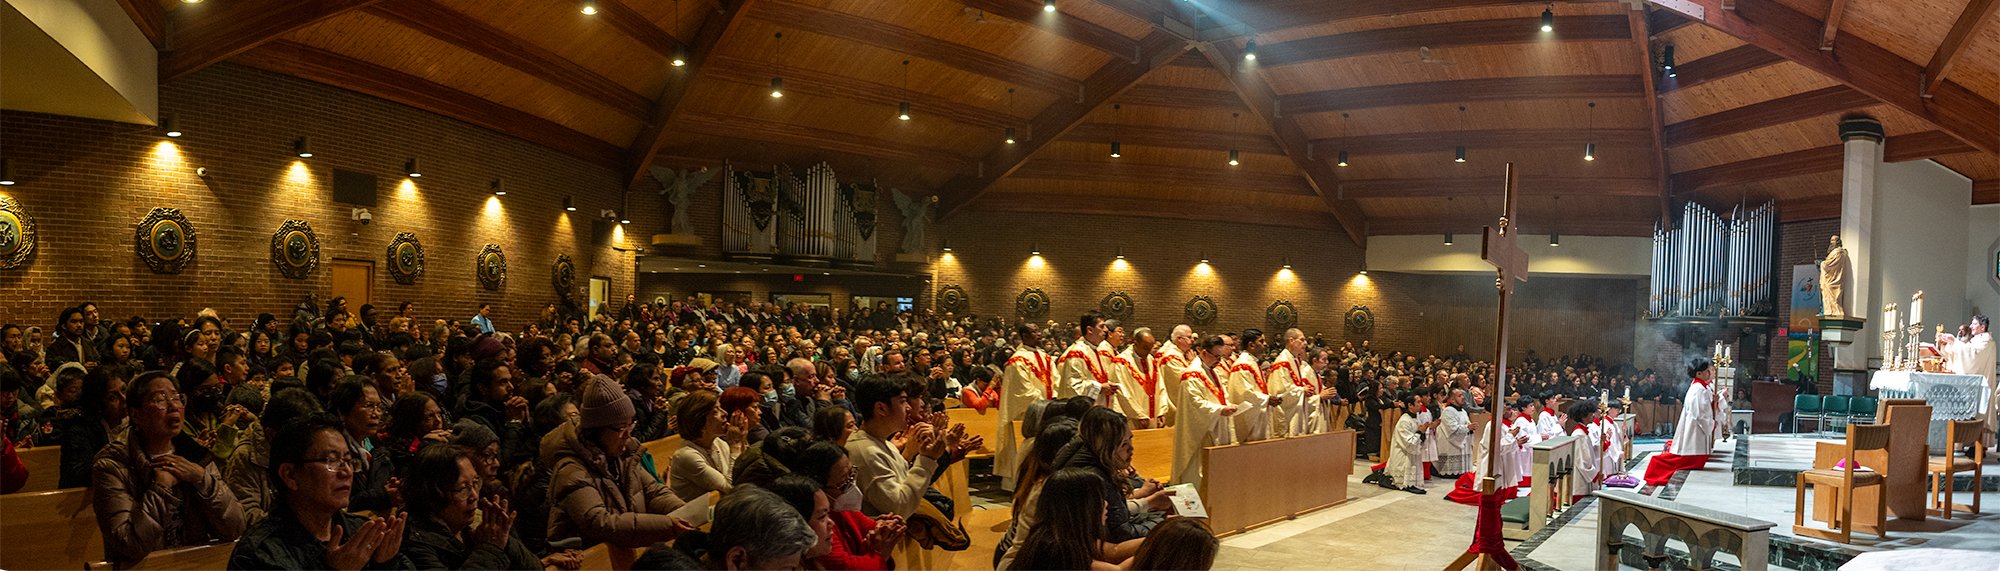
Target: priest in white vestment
(1204, 411)
(1287, 379)
(1973, 355)
(1028, 377)
(1248, 391)
(1137, 374)
(1700, 426)
(1454, 442)
(1082, 371)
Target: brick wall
(87, 183)
(1415, 312)
(1800, 243)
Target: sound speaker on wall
(353, 188)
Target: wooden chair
(1842, 483)
(49, 530)
(198, 557)
(1944, 470)
(44, 465)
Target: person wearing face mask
(853, 540)
(442, 496)
(210, 421)
(712, 438)
(157, 488)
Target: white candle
(1917, 308)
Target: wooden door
(600, 293)
(352, 279)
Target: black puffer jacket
(1120, 524)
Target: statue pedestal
(912, 259)
(675, 240)
(1841, 331)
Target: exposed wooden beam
(1809, 208)
(1977, 13)
(1799, 107)
(1986, 191)
(1077, 30)
(221, 31)
(1040, 203)
(795, 134)
(1363, 189)
(1058, 119)
(666, 107)
(1659, 22)
(1835, 10)
(437, 21)
(1440, 141)
(1190, 59)
(1124, 172)
(1182, 97)
(1274, 15)
(1173, 138)
(1866, 67)
(1263, 101)
(1445, 35)
(634, 25)
(1467, 228)
(823, 84)
(869, 31)
(314, 64)
(1815, 160)
(1457, 91)
(152, 20)
(1727, 63)
(1143, 10)
(1642, 48)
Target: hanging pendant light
(903, 108)
(778, 83)
(1458, 156)
(1342, 162)
(1590, 132)
(1549, 19)
(1232, 152)
(1010, 115)
(1116, 113)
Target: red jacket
(14, 474)
(850, 545)
(979, 401)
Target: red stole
(1208, 381)
(1041, 368)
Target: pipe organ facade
(1709, 266)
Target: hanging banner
(1802, 330)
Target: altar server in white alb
(1454, 436)
(1287, 379)
(1973, 355)
(1613, 442)
(1516, 438)
(1527, 434)
(1701, 425)
(1248, 390)
(1082, 371)
(1406, 466)
(1548, 422)
(1028, 377)
(1203, 411)
(1589, 447)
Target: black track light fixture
(302, 147)
(1549, 19)
(499, 187)
(1667, 60)
(1448, 239)
(6, 172)
(1250, 50)
(410, 168)
(168, 126)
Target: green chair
(1861, 410)
(1833, 411)
(1804, 408)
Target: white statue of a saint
(677, 186)
(1833, 281)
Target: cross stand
(1501, 249)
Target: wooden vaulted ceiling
(1397, 84)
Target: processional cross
(1500, 248)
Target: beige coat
(603, 499)
(134, 509)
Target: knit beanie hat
(473, 434)
(702, 364)
(604, 404)
(487, 347)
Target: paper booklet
(698, 510)
(1187, 501)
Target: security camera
(363, 216)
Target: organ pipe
(1711, 266)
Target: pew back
(44, 465)
(198, 557)
(49, 530)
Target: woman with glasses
(442, 494)
(856, 540)
(415, 421)
(360, 410)
(308, 527)
(598, 490)
(158, 488)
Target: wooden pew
(663, 452)
(44, 465)
(607, 556)
(976, 422)
(1240, 494)
(49, 530)
(1153, 453)
(198, 557)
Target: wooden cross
(1502, 249)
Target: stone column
(1862, 142)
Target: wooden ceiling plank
(1898, 148)
(1274, 15)
(1073, 29)
(1439, 141)
(1986, 191)
(1866, 67)
(1190, 59)
(1659, 22)
(1182, 97)
(795, 134)
(1173, 138)
(1642, 44)
(444, 24)
(1058, 119)
(635, 25)
(219, 32)
(869, 31)
(1070, 203)
(150, 18)
(1124, 172)
(1835, 11)
(1798, 107)
(823, 84)
(651, 138)
(1456, 91)
(1291, 137)
(1364, 189)
(1470, 226)
(314, 64)
(1445, 35)
(1977, 14)
(1728, 63)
